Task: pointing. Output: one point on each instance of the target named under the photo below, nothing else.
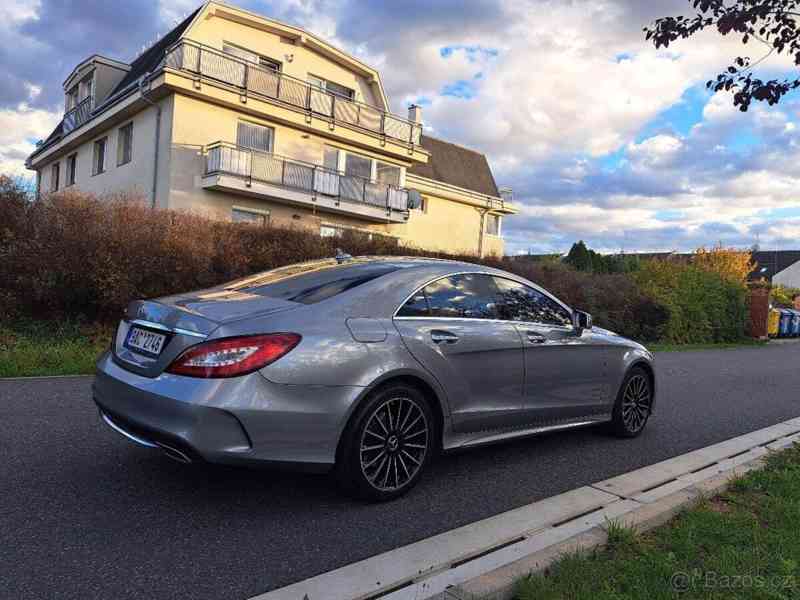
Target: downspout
(482, 231)
(157, 106)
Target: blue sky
(602, 137)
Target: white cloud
(173, 12)
(656, 151)
(20, 128)
(19, 10)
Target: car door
(450, 327)
(564, 368)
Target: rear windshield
(309, 283)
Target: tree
(773, 23)
(732, 264)
(579, 257)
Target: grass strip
(741, 544)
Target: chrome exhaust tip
(174, 453)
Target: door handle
(438, 336)
(535, 338)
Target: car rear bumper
(243, 420)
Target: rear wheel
(388, 444)
(634, 403)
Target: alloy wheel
(394, 443)
(636, 403)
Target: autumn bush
(80, 257)
(703, 304)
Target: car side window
(416, 306)
(518, 302)
(470, 296)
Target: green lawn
(665, 347)
(741, 544)
(51, 348)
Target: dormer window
(251, 57)
(80, 91)
(332, 87)
(72, 98)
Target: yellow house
(245, 118)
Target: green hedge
(703, 306)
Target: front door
(564, 369)
(450, 327)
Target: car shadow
(285, 488)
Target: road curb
(483, 560)
(43, 377)
(500, 584)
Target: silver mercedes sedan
(368, 366)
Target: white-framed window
(125, 144)
(357, 165)
(386, 173)
(251, 57)
(72, 98)
(493, 224)
(330, 158)
(330, 231)
(54, 176)
(332, 87)
(253, 216)
(256, 137)
(423, 204)
(99, 156)
(72, 167)
(86, 87)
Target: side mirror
(581, 320)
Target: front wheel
(634, 404)
(388, 445)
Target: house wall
(451, 221)
(789, 277)
(446, 226)
(134, 178)
(215, 30)
(189, 124)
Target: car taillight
(229, 357)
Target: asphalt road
(86, 514)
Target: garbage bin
(795, 323)
(773, 322)
(785, 326)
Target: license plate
(145, 341)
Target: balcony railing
(249, 78)
(78, 115)
(264, 167)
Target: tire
(387, 444)
(634, 404)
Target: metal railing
(78, 115)
(255, 165)
(250, 78)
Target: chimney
(415, 113)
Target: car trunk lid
(181, 321)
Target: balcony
(78, 115)
(250, 79)
(234, 169)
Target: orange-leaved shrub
(78, 256)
